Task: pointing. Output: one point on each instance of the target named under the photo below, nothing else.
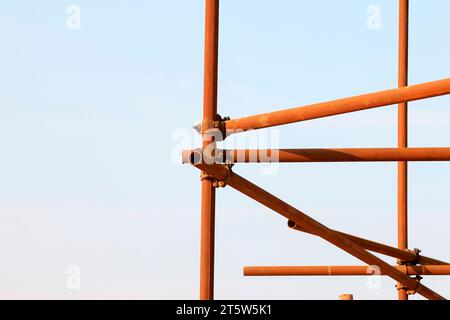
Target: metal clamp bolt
(217, 183)
(213, 127)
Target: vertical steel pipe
(402, 175)
(209, 114)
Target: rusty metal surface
(402, 174)
(402, 254)
(267, 199)
(209, 113)
(216, 170)
(318, 155)
(341, 106)
(255, 271)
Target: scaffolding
(216, 171)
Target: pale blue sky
(87, 121)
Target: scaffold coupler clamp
(216, 128)
(410, 291)
(414, 291)
(414, 262)
(215, 182)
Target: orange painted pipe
(373, 246)
(266, 271)
(346, 296)
(253, 191)
(209, 114)
(341, 106)
(321, 155)
(402, 174)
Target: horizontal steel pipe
(403, 255)
(267, 199)
(252, 271)
(320, 155)
(339, 155)
(340, 106)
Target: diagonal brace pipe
(253, 191)
(403, 255)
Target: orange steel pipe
(209, 114)
(402, 175)
(324, 155)
(253, 271)
(253, 191)
(403, 255)
(346, 105)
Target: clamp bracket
(216, 128)
(408, 290)
(416, 260)
(215, 182)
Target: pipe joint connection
(410, 291)
(415, 261)
(216, 183)
(213, 130)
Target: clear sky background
(90, 120)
